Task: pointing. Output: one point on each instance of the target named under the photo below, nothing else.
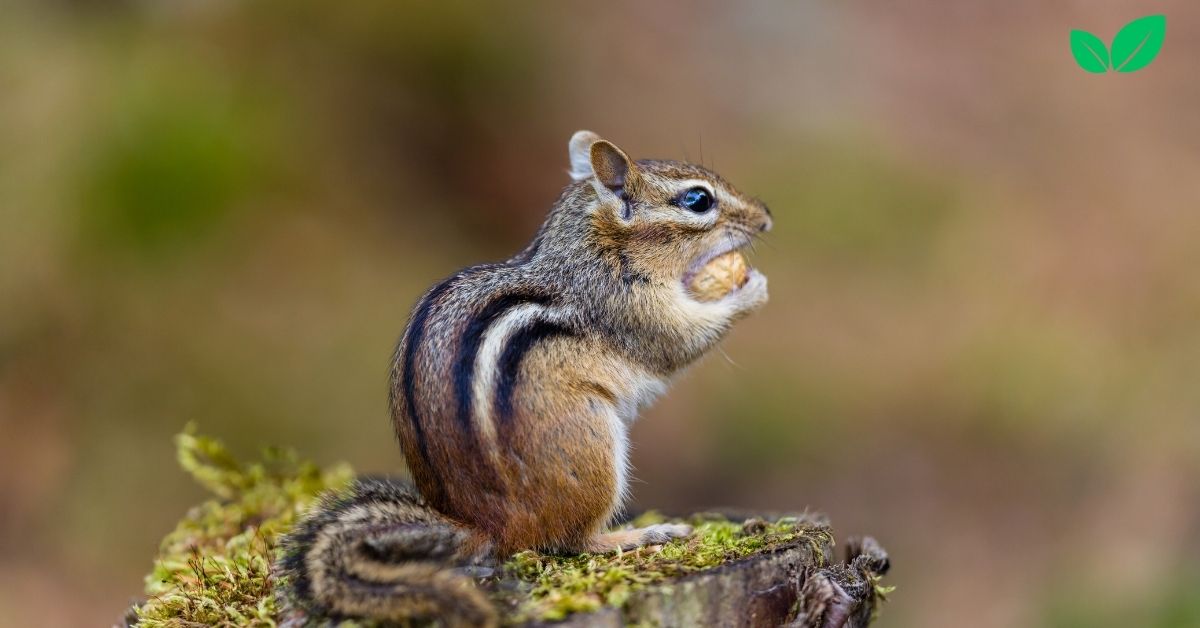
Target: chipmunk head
(675, 227)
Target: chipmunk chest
(639, 391)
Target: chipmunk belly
(637, 391)
(561, 441)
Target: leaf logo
(1134, 47)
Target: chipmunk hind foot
(626, 540)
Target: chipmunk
(514, 386)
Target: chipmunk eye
(697, 200)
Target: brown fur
(514, 383)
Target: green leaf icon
(1090, 53)
(1138, 43)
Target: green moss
(557, 586)
(214, 568)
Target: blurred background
(984, 334)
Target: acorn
(720, 276)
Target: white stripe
(494, 340)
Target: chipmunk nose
(766, 223)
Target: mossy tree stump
(791, 580)
(734, 570)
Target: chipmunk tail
(379, 552)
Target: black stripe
(412, 344)
(468, 350)
(509, 364)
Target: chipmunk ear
(613, 167)
(612, 172)
(592, 155)
(580, 151)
